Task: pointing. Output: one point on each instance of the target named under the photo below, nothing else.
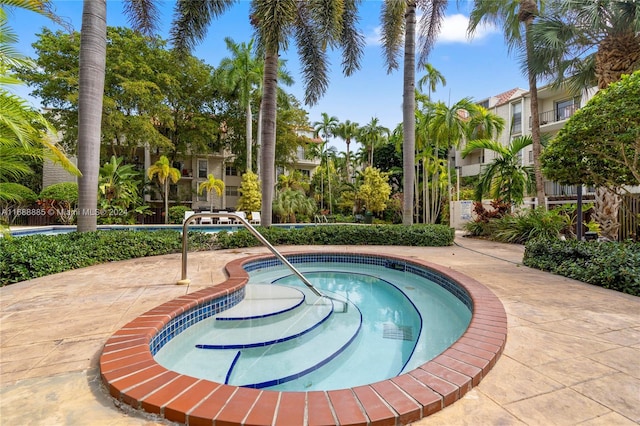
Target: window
(530, 157)
(306, 173)
(516, 118)
(231, 191)
(231, 171)
(566, 108)
(202, 169)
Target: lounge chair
(224, 220)
(255, 218)
(241, 214)
(207, 220)
(187, 215)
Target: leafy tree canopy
(600, 144)
(375, 190)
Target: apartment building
(555, 107)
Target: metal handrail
(243, 221)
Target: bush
(611, 265)
(176, 214)
(35, 256)
(416, 235)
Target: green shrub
(416, 235)
(176, 214)
(65, 191)
(610, 265)
(35, 256)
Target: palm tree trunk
(259, 141)
(249, 137)
(166, 201)
(408, 113)
(348, 141)
(535, 124)
(93, 48)
(269, 134)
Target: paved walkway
(572, 355)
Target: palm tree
(93, 48)
(505, 177)
(584, 43)
(516, 16)
(93, 54)
(371, 135)
(290, 202)
(398, 21)
(210, 185)
(325, 129)
(431, 79)
(347, 131)
(243, 73)
(165, 173)
(313, 26)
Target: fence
(629, 218)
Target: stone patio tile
(626, 360)
(620, 392)
(575, 370)
(561, 407)
(610, 419)
(623, 337)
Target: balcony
(556, 115)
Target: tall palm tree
(93, 55)
(371, 135)
(347, 131)
(165, 172)
(516, 18)
(505, 177)
(243, 74)
(325, 129)
(210, 185)
(431, 79)
(584, 43)
(93, 48)
(398, 21)
(313, 26)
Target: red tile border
(132, 376)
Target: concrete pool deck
(572, 354)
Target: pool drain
(397, 332)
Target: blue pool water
(379, 323)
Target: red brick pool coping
(133, 377)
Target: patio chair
(187, 215)
(224, 220)
(241, 214)
(255, 218)
(206, 220)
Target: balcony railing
(558, 114)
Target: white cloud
(453, 30)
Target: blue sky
(476, 68)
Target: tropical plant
(250, 196)
(347, 131)
(326, 129)
(13, 198)
(371, 135)
(374, 191)
(164, 172)
(313, 25)
(584, 43)
(211, 185)
(599, 146)
(61, 200)
(516, 18)
(243, 74)
(505, 177)
(119, 192)
(398, 22)
(290, 203)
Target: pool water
(379, 323)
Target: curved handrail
(263, 240)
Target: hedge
(33, 256)
(388, 235)
(612, 265)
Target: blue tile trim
(185, 320)
(363, 259)
(274, 382)
(233, 364)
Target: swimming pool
(380, 322)
(65, 229)
(134, 377)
